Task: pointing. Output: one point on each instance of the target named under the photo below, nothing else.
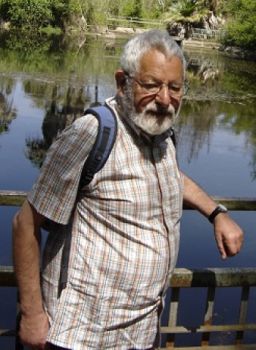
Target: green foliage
(4, 6)
(50, 31)
(93, 11)
(30, 15)
(49, 15)
(132, 8)
(60, 10)
(153, 9)
(140, 9)
(27, 14)
(241, 26)
(187, 7)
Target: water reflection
(7, 112)
(61, 110)
(241, 118)
(59, 79)
(200, 118)
(216, 77)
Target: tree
(29, 14)
(241, 24)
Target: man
(105, 273)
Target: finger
(232, 248)
(222, 249)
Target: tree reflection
(7, 112)
(194, 128)
(198, 113)
(220, 91)
(63, 108)
(241, 118)
(199, 118)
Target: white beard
(154, 120)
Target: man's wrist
(218, 210)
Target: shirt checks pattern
(125, 237)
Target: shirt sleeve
(55, 191)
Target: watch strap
(219, 209)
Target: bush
(187, 7)
(33, 15)
(241, 27)
(27, 13)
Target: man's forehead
(154, 61)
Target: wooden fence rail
(15, 198)
(201, 34)
(210, 280)
(131, 22)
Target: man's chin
(154, 129)
(155, 123)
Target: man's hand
(228, 235)
(33, 330)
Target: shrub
(241, 27)
(28, 13)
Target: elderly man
(104, 274)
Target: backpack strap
(103, 144)
(173, 137)
(96, 159)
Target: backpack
(101, 148)
(103, 144)
(95, 161)
(99, 153)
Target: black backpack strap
(103, 145)
(173, 137)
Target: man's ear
(120, 80)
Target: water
(43, 88)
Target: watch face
(222, 208)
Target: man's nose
(163, 97)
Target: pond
(45, 86)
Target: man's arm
(26, 254)
(228, 234)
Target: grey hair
(142, 43)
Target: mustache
(160, 111)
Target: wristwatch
(219, 209)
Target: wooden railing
(132, 22)
(197, 34)
(209, 279)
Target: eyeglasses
(153, 88)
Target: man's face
(157, 69)
(156, 93)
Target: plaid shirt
(103, 288)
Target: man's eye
(151, 86)
(175, 88)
